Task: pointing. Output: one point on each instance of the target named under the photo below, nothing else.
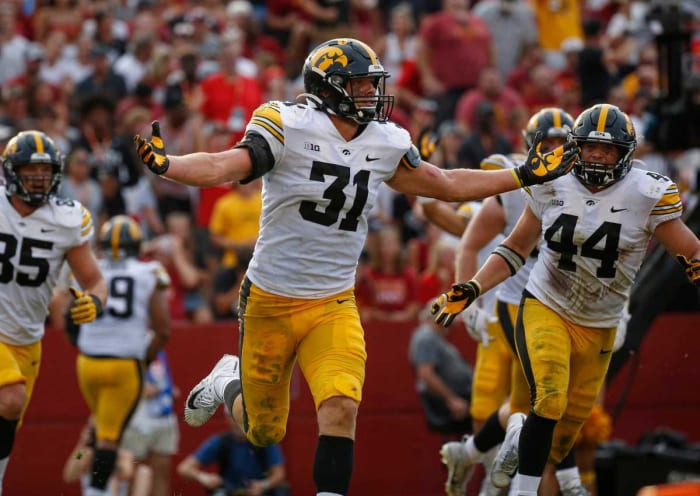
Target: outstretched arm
(682, 243)
(195, 169)
(467, 184)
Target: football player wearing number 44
(322, 160)
(595, 225)
(38, 232)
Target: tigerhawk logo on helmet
(331, 66)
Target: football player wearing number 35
(595, 225)
(38, 232)
(322, 160)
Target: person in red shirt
(390, 283)
(450, 40)
(229, 97)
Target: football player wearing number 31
(38, 232)
(322, 160)
(596, 224)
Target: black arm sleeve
(260, 155)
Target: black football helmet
(552, 122)
(604, 123)
(327, 71)
(120, 237)
(31, 147)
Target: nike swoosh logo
(605, 352)
(371, 159)
(614, 210)
(343, 301)
(190, 400)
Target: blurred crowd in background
(91, 74)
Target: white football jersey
(122, 330)
(317, 197)
(594, 243)
(513, 203)
(32, 252)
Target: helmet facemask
(361, 108)
(32, 188)
(607, 124)
(25, 150)
(603, 175)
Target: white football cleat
(459, 466)
(506, 462)
(206, 396)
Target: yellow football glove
(450, 304)
(85, 307)
(152, 153)
(691, 268)
(540, 168)
(427, 143)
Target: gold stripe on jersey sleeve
(268, 117)
(493, 162)
(86, 224)
(669, 203)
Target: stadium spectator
(507, 107)
(391, 282)
(153, 434)
(242, 468)
(443, 378)
(484, 138)
(513, 27)
(229, 95)
(453, 37)
(234, 226)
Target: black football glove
(427, 143)
(450, 304)
(152, 153)
(539, 168)
(691, 268)
(85, 308)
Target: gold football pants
(20, 364)
(112, 390)
(565, 366)
(497, 372)
(325, 336)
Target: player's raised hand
(85, 308)
(691, 268)
(450, 304)
(540, 168)
(152, 152)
